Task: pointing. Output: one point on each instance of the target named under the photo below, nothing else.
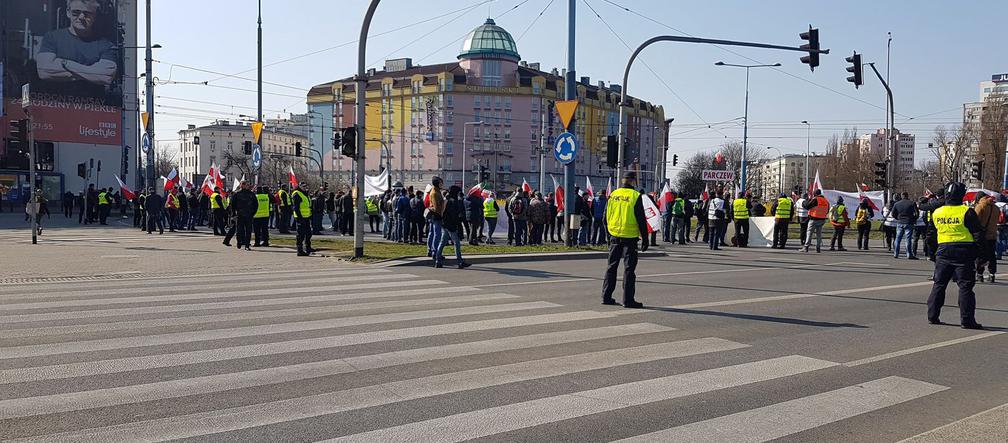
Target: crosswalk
(331, 355)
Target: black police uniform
(955, 259)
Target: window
(449, 133)
(491, 73)
(497, 102)
(449, 101)
(476, 102)
(229, 146)
(507, 117)
(449, 149)
(535, 88)
(507, 102)
(486, 102)
(476, 115)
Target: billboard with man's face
(71, 53)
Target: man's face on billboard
(82, 14)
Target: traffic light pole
(149, 100)
(889, 130)
(570, 93)
(32, 198)
(1004, 180)
(680, 39)
(359, 121)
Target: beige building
(206, 145)
(874, 146)
(787, 173)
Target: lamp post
(464, 127)
(808, 144)
(137, 109)
(745, 118)
(780, 165)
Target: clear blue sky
(941, 50)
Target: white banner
(654, 219)
(376, 185)
(853, 199)
(711, 175)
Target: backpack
(517, 207)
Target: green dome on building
(489, 41)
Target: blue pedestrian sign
(145, 143)
(565, 148)
(256, 156)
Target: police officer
(626, 222)
(260, 224)
(740, 213)
(302, 206)
(217, 211)
(103, 207)
(283, 223)
(957, 226)
(245, 204)
(782, 211)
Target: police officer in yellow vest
(782, 211)
(302, 206)
(626, 222)
(103, 207)
(957, 226)
(740, 213)
(217, 212)
(490, 210)
(283, 223)
(260, 223)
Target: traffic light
(247, 147)
(976, 170)
(195, 140)
(348, 142)
(812, 59)
(336, 140)
(483, 174)
(612, 151)
(82, 170)
(881, 173)
(855, 68)
(675, 159)
(297, 149)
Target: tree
(950, 147)
(165, 159)
(237, 159)
(689, 180)
(991, 138)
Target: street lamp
(745, 128)
(808, 144)
(780, 173)
(464, 127)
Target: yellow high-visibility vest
(262, 211)
(213, 201)
(783, 208)
(621, 221)
(949, 221)
(740, 211)
(489, 210)
(305, 205)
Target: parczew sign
(710, 175)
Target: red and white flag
(426, 195)
(219, 179)
(476, 190)
(862, 196)
(588, 188)
(665, 198)
(126, 192)
(291, 178)
(816, 184)
(608, 188)
(171, 180)
(209, 181)
(652, 214)
(558, 194)
(526, 187)
(705, 195)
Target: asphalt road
(110, 335)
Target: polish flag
(476, 190)
(526, 187)
(171, 180)
(208, 184)
(558, 194)
(237, 183)
(588, 188)
(126, 192)
(652, 214)
(426, 195)
(291, 178)
(816, 184)
(665, 198)
(218, 178)
(608, 188)
(705, 195)
(862, 196)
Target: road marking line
(536, 282)
(143, 279)
(126, 364)
(716, 271)
(206, 289)
(988, 425)
(923, 348)
(137, 341)
(515, 416)
(193, 307)
(338, 288)
(790, 417)
(213, 422)
(268, 314)
(788, 297)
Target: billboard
(70, 51)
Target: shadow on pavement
(766, 318)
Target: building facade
(205, 145)
(785, 174)
(873, 145)
(487, 110)
(988, 125)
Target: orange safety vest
(821, 209)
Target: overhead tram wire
(530, 25)
(646, 65)
(752, 59)
(348, 43)
(454, 41)
(432, 31)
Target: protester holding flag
(626, 223)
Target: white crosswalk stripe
(216, 360)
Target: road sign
(25, 96)
(565, 148)
(145, 144)
(145, 117)
(256, 156)
(257, 128)
(566, 110)
(718, 175)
